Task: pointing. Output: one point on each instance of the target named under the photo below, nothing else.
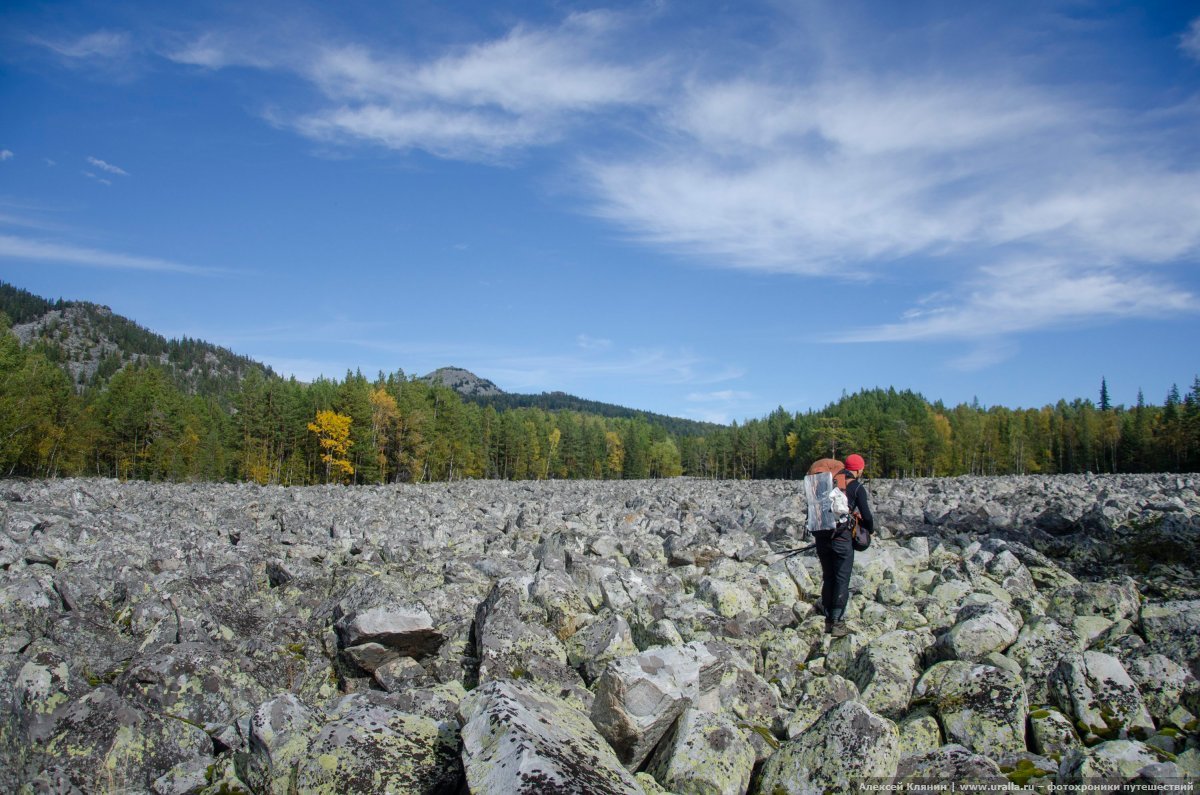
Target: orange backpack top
(833, 467)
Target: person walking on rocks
(834, 546)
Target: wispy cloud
(1028, 295)
(19, 248)
(5, 154)
(590, 343)
(480, 102)
(1190, 41)
(100, 44)
(108, 167)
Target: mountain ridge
(91, 343)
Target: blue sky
(702, 209)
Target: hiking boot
(837, 629)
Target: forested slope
(146, 420)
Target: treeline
(903, 435)
(143, 425)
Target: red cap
(854, 462)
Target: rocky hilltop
(616, 637)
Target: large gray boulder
(886, 670)
(848, 743)
(944, 764)
(368, 747)
(707, 752)
(516, 739)
(638, 698)
(1040, 646)
(1170, 630)
(980, 707)
(1095, 689)
(280, 732)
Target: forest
(141, 423)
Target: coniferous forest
(141, 423)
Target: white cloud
(1189, 42)
(219, 50)
(101, 44)
(5, 154)
(1028, 295)
(111, 169)
(589, 343)
(480, 102)
(19, 248)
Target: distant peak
(464, 382)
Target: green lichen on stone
(762, 731)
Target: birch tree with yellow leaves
(333, 434)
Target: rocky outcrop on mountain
(593, 637)
(464, 382)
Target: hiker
(834, 547)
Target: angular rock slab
(280, 733)
(886, 670)
(849, 743)
(1040, 647)
(1170, 630)
(980, 706)
(102, 743)
(706, 753)
(1098, 692)
(516, 739)
(369, 748)
(406, 630)
(979, 631)
(639, 697)
(947, 763)
(1115, 760)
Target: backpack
(828, 508)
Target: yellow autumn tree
(333, 434)
(385, 414)
(615, 453)
(555, 438)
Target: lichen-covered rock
(208, 601)
(945, 764)
(1051, 733)
(367, 747)
(1162, 684)
(1026, 769)
(1039, 648)
(886, 670)
(639, 697)
(980, 707)
(848, 743)
(978, 631)
(817, 696)
(197, 682)
(1112, 761)
(518, 740)
(1099, 694)
(280, 732)
(920, 732)
(102, 743)
(1114, 600)
(602, 641)
(705, 753)
(1170, 630)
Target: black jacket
(856, 496)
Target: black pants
(837, 559)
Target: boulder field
(594, 637)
